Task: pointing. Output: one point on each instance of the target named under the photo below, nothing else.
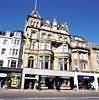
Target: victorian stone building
(47, 56)
(53, 58)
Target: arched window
(30, 62)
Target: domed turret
(54, 22)
(47, 22)
(64, 27)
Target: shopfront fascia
(87, 78)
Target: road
(51, 98)
(48, 95)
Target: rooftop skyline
(81, 15)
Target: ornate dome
(54, 23)
(47, 22)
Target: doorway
(29, 83)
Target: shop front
(46, 82)
(46, 79)
(3, 77)
(67, 83)
(13, 80)
(10, 78)
(29, 81)
(85, 82)
(55, 82)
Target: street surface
(48, 95)
(53, 98)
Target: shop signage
(3, 75)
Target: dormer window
(49, 35)
(60, 37)
(33, 31)
(34, 24)
(54, 22)
(43, 33)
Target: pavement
(50, 92)
(20, 94)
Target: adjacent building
(10, 61)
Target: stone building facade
(51, 53)
(48, 56)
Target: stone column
(68, 67)
(78, 56)
(96, 82)
(22, 81)
(49, 63)
(76, 80)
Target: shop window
(30, 62)
(1, 63)
(3, 51)
(13, 64)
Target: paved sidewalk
(54, 91)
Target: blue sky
(82, 15)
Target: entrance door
(2, 82)
(29, 83)
(50, 83)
